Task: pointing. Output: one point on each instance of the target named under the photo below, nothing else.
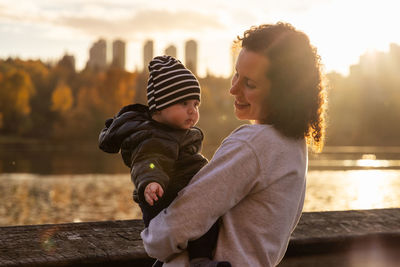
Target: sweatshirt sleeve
(216, 188)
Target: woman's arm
(216, 188)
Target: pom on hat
(170, 83)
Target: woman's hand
(152, 192)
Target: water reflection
(47, 159)
(369, 160)
(38, 199)
(354, 161)
(41, 199)
(353, 189)
(40, 184)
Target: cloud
(5, 14)
(22, 14)
(117, 22)
(143, 22)
(159, 20)
(138, 19)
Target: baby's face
(182, 115)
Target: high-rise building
(191, 56)
(98, 56)
(147, 54)
(170, 51)
(118, 53)
(67, 62)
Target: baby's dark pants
(202, 247)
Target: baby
(161, 145)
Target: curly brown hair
(297, 100)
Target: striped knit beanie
(169, 83)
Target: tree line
(57, 103)
(364, 107)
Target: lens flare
(47, 239)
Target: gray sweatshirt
(255, 183)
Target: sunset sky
(342, 30)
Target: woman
(256, 180)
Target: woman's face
(250, 86)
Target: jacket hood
(124, 123)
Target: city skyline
(341, 30)
(100, 58)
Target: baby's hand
(152, 192)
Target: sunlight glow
(341, 30)
(368, 190)
(369, 160)
(349, 29)
(353, 189)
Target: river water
(56, 187)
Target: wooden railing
(340, 238)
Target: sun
(342, 31)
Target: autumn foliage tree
(54, 102)
(62, 98)
(15, 94)
(93, 103)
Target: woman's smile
(241, 105)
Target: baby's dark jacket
(155, 152)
